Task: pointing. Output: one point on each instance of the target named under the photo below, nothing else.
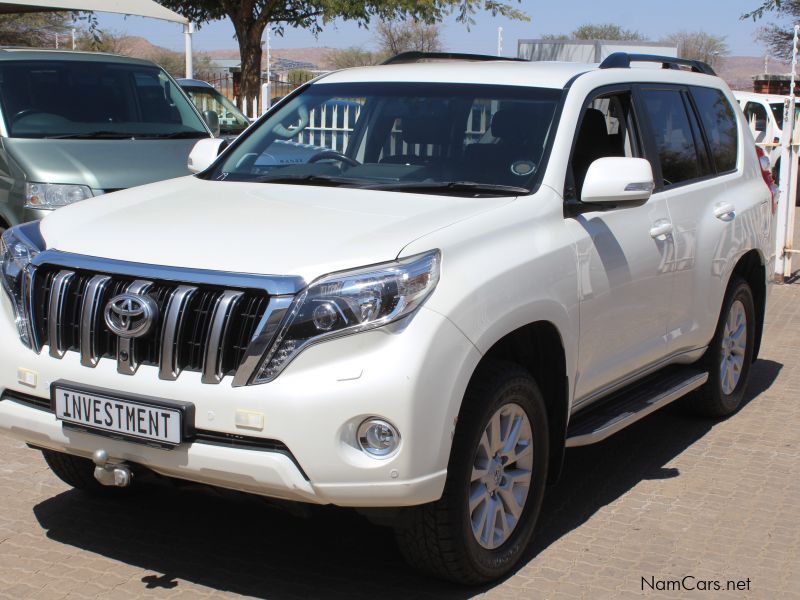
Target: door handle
(660, 229)
(724, 211)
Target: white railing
(332, 125)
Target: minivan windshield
(416, 137)
(94, 100)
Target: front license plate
(146, 421)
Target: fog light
(378, 438)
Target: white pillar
(784, 230)
(499, 41)
(188, 30)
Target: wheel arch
(539, 348)
(752, 269)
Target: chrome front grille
(202, 326)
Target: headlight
(48, 196)
(16, 253)
(351, 302)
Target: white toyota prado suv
(406, 289)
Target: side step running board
(631, 404)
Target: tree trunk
(250, 49)
(248, 33)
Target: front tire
(730, 354)
(480, 528)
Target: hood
(100, 164)
(267, 229)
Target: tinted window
(672, 133)
(719, 123)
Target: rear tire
(78, 472)
(480, 528)
(729, 356)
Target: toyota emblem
(131, 315)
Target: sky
(654, 18)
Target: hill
(737, 71)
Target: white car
(764, 114)
(496, 260)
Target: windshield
(83, 99)
(231, 120)
(401, 136)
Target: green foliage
(768, 6)
(600, 31)
(395, 37)
(353, 57)
(251, 17)
(699, 45)
(39, 30)
(778, 37)
(34, 29)
(299, 76)
(605, 31)
(313, 14)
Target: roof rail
(416, 56)
(623, 60)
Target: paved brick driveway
(668, 498)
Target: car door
(625, 257)
(709, 199)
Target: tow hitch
(108, 473)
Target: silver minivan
(76, 124)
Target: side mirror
(204, 153)
(616, 180)
(212, 120)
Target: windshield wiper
(327, 180)
(89, 135)
(175, 135)
(451, 186)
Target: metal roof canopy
(139, 8)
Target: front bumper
(412, 373)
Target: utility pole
(73, 38)
(499, 41)
(268, 103)
(56, 41)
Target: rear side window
(719, 123)
(673, 136)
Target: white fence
(332, 125)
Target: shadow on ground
(237, 544)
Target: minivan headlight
(49, 196)
(351, 302)
(16, 254)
